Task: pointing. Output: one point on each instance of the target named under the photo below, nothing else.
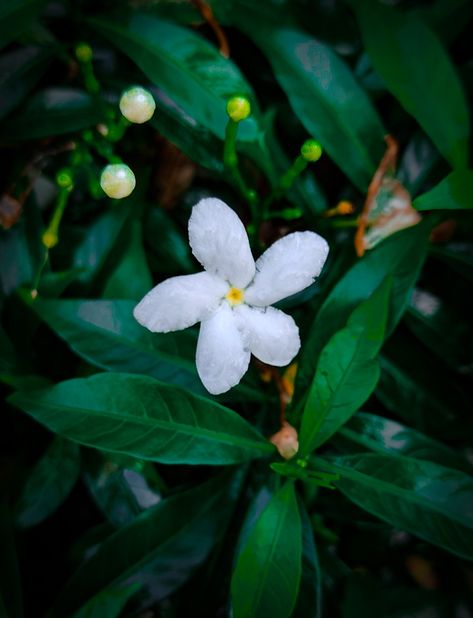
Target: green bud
(64, 178)
(137, 104)
(238, 108)
(83, 52)
(50, 239)
(311, 150)
(117, 180)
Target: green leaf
(324, 96)
(309, 601)
(109, 603)
(131, 279)
(16, 16)
(190, 70)
(54, 111)
(347, 372)
(453, 193)
(142, 417)
(421, 497)
(161, 548)
(20, 70)
(401, 256)
(268, 571)
(417, 70)
(383, 435)
(49, 483)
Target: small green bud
(64, 178)
(238, 108)
(311, 150)
(117, 180)
(83, 52)
(49, 239)
(137, 104)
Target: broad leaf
(108, 603)
(51, 112)
(324, 96)
(190, 70)
(49, 483)
(453, 193)
(16, 16)
(160, 550)
(400, 256)
(309, 600)
(421, 497)
(417, 70)
(347, 372)
(267, 574)
(383, 435)
(142, 417)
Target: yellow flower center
(235, 296)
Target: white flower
(231, 297)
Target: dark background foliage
(99, 516)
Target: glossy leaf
(325, 97)
(49, 483)
(190, 70)
(347, 371)
(55, 111)
(383, 435)
(267, 574)
(160, 549)
(454, 192)
(400, 256)
(417, 70)
(20, 70)
(142, 417)
(109, 603)
(421, 497)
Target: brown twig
(207, 13)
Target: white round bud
(117, 180)
(137, 104)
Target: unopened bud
(137, 104)
(117, 180)
(64, 178)
(83, 52)
(311, 150)
(285, 440)
(238, 108)
(49, 239)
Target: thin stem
(285, 183)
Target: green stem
(91, 83)
(285, 183)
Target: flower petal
(287, 267)
(272, 335)
(180, 302)
(222, 356)
(220, 243)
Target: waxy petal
(288, 266)
(222, 355)
(220, 243)
(180, 302)
(272, 335)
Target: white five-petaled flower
(232, 296)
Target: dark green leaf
(267, 574)
(142, 417)
(324, 96)
(49, 483)
(16, 16)
(190, 70)
(452, 193)
(421, 497)
(109, 603)
(309, 601)
(418, 71)
(20, 70)
(401, 256)
(386, 436)
(347, 371)
(54, 111)
(161, 548)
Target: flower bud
(238, 108)
(311, 150)
(285, 440)
(117, 180)
(50, 239)
(64, 178)
(137, 104)
(83, 52)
